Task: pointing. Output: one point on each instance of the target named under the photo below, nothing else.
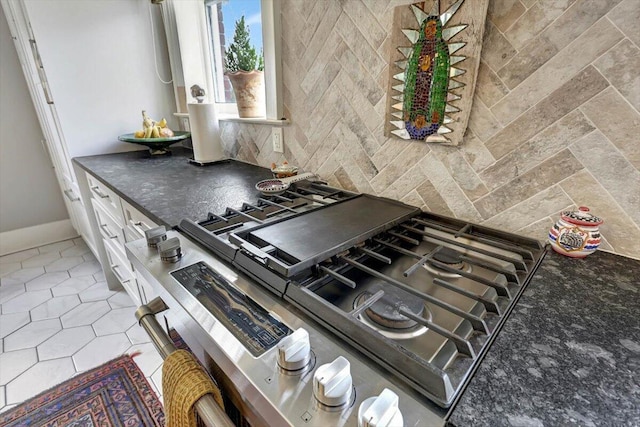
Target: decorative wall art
(434, 69)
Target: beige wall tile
(432, 199)
(329, 16)
(459, 169)
(448, 189)
(565, 29)
(533, 21)
(612, 170)
(413, 152)
(619, 230)
(618, 121)
(365, 21)
(403, 185)
(361, 76)
(558, 70)
(496, 49)
(477, 155)
(538, 230)
(626, 17)
(482, 121)
(359, 45)
(503, 13)
(620, 66)
(565, 131)
(413, 198)
(566, 98)
(541, 205)
(549, 172)
(489, 87)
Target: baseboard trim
(38, 235)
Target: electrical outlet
(277, 138)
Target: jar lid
(581, 217)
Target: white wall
(99, 61)
(29, 192)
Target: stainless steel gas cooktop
(417, 297)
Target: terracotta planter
(249, 90)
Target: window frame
(195, 62)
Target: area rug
(112, 395)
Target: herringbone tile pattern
(554, 124)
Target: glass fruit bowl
(157, 146)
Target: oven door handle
(210, 413)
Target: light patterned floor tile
(73, 285)
(10, 323)
(2, 397)
(38, 378)
(32, 334)
(56, 247)
(65, 343)
(8, 268)
(156, 377)
(26, 301)
(64, 264)
(148, 360)
(55, 307)
(99, 291)
(100, 350)
(41, 260)
(100, 277)
(13, 363)
(18, 256)
(47, 281)
(115, 321)
(25, 274)
(85, 314)
(137, 335)
(86, 268)
(121, 299)
(9, 290)
(75, 251)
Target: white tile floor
(58, 318)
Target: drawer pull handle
(142, 225)
(114, 268)
(72, 197)
(106, 230)
(99, 192)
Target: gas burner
(384, 317)
(452, 259)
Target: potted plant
(244, 67)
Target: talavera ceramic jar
(576, 234)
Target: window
(201, 47)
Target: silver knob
(170, 250)
(294, 351)
(380, 411)
(155, 236)
(332, 383)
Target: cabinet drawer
(135, 222)
(107, 198)
(121, 268)
(109, 227)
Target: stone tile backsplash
(555, 122)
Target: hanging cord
(153, 41)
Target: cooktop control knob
(155, 236)
(380, 411)
(294, 351)
(332, 384)
(170, 250)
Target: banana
(155, 132)
(163, 123)
(147, 132)
(147, 122)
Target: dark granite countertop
(168, 188)
(569, 354)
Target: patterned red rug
(112, 395)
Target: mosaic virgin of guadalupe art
(433, 79)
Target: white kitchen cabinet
(91, 68)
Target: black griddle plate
(322, 233)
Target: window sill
(230, 118)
